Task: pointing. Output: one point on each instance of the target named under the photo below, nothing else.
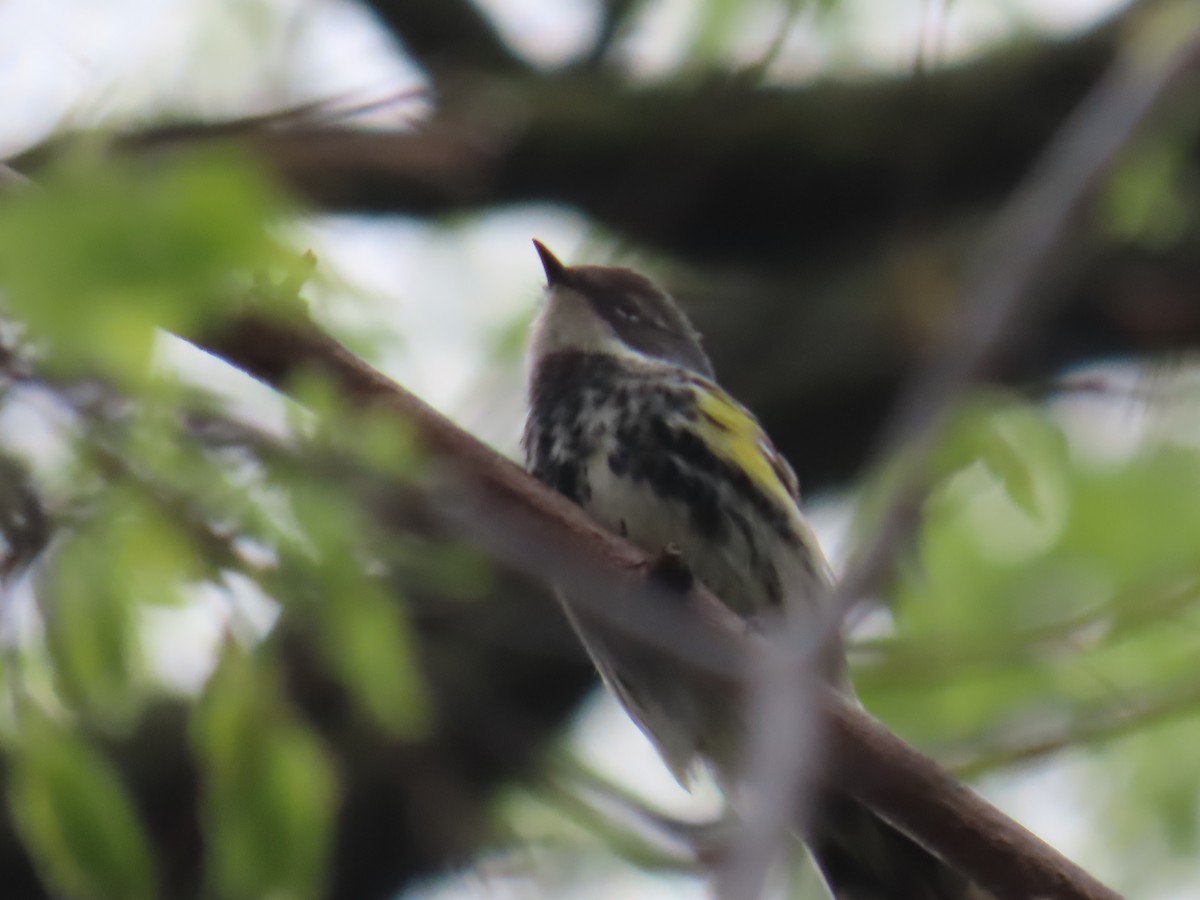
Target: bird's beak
(555, 270)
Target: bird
(627, 420)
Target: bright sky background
(448, 291)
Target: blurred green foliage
(270, 788)
(1151, 200)
(103, 254)
(1033, 564)
(95, 264)
(74, 816)
(124, 556)
(1053, 600)
(366, 636)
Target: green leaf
(1018, 611)
(1145, 788)
(377, 436)
(150, 554)
(371, 649)
(107, 252)
(1013, 440)
(717, 21)
(127, 555)
(75, 817)
(1137, 522)
(270, 787)
(90, 629)
(366, 636)
(1148, 200)
(384, 442)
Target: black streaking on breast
(563, 432)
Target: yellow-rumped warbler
(627, 421)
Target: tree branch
(869, 763)
(441, 33)
(1017, 742)
(725, 173)
(919, 796)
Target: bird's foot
(671, 571)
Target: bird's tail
(864, 857)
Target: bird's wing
(734, 434)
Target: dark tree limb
(441, 33)
(724, 173)
(868, 763)
(914, 792)
(615, 14)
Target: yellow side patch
(735, 436)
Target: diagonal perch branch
(867, 761)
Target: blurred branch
(503, 675)
(461, 165)
(1017, 742)
(440, 33)
(614, 15)
(633, 830)
(715, 173)
(1028, 240)
(905, 662)
(24, 524)
(866, 761)
(11, 179)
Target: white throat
(566, 322)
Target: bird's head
(604, 309)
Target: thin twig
(11, 180)
(1012, 744)
(615, 13)
(635, 831)
(906, 663)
